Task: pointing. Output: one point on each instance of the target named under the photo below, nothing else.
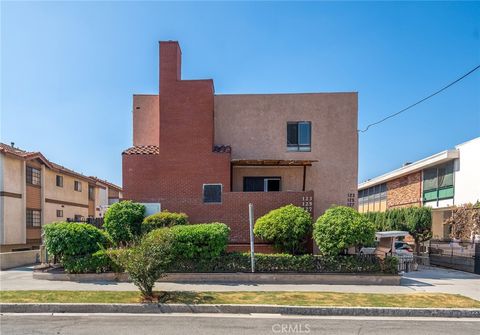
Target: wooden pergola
(273, 162)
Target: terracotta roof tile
(142, 150)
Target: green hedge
(70, 239)
(123, 221)
(98, 262)
(286, 227)
(163, 219)
(265, 263)
(198, 242)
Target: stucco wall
(291, 177)
(50, 212)
(467, 176)
(146, 119)
(255, 127)
(12, 214)
(67, 192)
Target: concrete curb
(240, 277)
(239, 309)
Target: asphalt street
(187, 324)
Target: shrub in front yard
(123, 221)
(287, 228)
(196, 242)
(340, 228)
(70, 239)
(163, 219)
(98, 262)
(265, 263)
(146, 261)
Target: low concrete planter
(248, 278)
(239, 309)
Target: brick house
(210, 155)
(440, 181)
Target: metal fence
(459, 255)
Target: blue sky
(69, 69)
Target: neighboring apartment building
(35, 191)
(440, 181)
(210, 155)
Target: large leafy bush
(146, 261)
(163, 219)
(340, 228)
(288, 228)
(69, 239)
(196, 242)
(123, 221)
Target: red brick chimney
(170, 63)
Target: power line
(420, 101)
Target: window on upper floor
(33, 176)
(438, 182)
(77, 186)
(261, 184)
(299, 135)
(34, 218)
(91, 192)
(59, 181)
(212, 193)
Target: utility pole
(252, 251)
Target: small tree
(287, 228)
(123, 221)
(340, 228)
(147, 261)
(418, 222)
(465, 221)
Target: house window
(77, 186)
(261, 184)
(33, 176)
(371, 199)
(212, 193)
(78, 218)
(59, 213)
(59, 181)
(299, 136)
(91, 193)
(438, 182)
(33, 218)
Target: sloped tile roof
(142, 150)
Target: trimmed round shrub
(98, 262)
(70, 239)
(288, 228)
(163, 219)
(196, 242)
(340, 228)
(123, 221)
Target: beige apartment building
(35, 191)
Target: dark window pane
(273, 185)
(253, 184)
(212, 193)
(59, 181)
(304, 133)
(445, 175)
(292, 134)
(429, 179)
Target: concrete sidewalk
(435, 280)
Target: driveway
(436, 280)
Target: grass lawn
(271, 298)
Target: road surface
(188, 324)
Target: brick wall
(405, 191)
